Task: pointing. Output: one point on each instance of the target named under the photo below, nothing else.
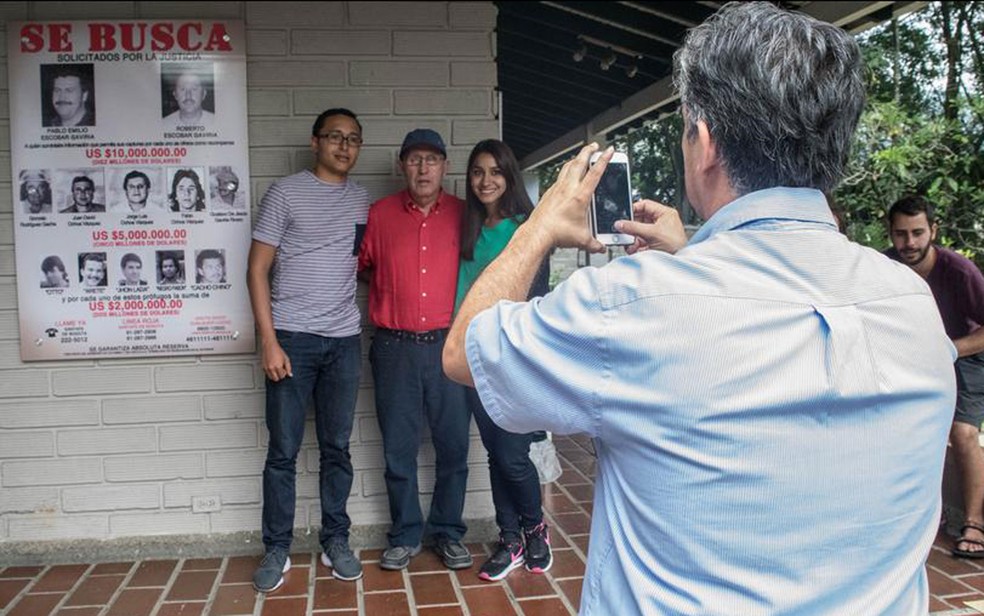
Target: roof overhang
(552, 103)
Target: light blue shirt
(770, 409)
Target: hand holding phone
(612, 201)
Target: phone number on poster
(135, 152)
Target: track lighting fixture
(608, 61)
(580, 53)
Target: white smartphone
(612, 200)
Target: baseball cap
(423, 138)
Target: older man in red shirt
(410, 256)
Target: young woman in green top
(496, 204)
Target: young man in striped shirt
(302, 288)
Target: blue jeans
(515, 482)
(327, 369)
(410, 383)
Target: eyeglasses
(336, 138)
(431, 160)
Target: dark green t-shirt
(490, 243)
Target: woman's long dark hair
(515, 203)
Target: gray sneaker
(344, 565)
(398, 557)
(452, 552)
(270, 574)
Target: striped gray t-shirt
(313, 224)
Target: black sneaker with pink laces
(539, 558)
(508, 556)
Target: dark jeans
(327, 369)
(410, 384)
(515, 482)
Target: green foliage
(655, 161)
(902, 76)
(922, 131)
(906, 144)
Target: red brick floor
(222, 586)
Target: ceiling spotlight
(608, 61)
(631, 71)
(580, 53)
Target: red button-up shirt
(414, 262)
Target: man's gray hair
(780, 92)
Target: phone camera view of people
(612, 200)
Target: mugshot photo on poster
(187, 96)
(186, 193)
(68, 96)
(131, 272)
(170, 268)
(225, 191)
(92, 269)
(53, 273)
(135, 190)
(210, 266)
(35, 191)
(80, 191)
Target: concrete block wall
(112, 449)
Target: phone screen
(611, 199)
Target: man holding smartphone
(769, 426)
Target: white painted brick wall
(204, 377)
(158, 467)
(97, 381)
(235, 519)
(473, 74)
(234, 406)
(118, 448)
(299, 14)
(9, 325)
(306, 73)
(233, 491)
(111, 498)
(390, 73)
(238, 463)
(27, 444)
(52, 526)
(398, 14)
(157, 523)
(38, 414)
(341, 42)
(6, 222)
(105, 441)
(50, 472)
(472, 16)
(24, 383)
(457, 44)
(197, 437)
(268, 102)
(456, 102)
(266, 43)
(151, 409)
(369, 101)
(29, 500)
